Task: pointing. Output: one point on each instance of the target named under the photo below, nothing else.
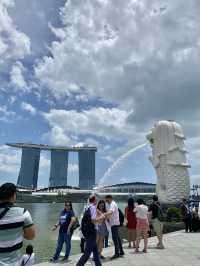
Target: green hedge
(173, 214)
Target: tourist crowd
(190, 216)
(99, 218)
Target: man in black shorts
(155, 210)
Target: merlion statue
(169, 160)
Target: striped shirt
(11, 234)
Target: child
(28, 259)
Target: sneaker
(53, 260)
(65, 259)
(160, 247)
(122, 253)
(116, 256)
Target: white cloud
(57, 136)
(29, 108)
(193, 148)
(44, 162)
(6, 115)
(101, 122)
(12, 99)
(108, 158)
(73, 168)
(9, 161)
(16, 76)
(13, 43)
(129, 52)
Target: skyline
(72, 76)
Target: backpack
(121, 217)
(87, 227)
(3, 213)
(23, 263)
(160, 214)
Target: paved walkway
(181, 250)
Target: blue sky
(101, 73)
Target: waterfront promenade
(181, 250)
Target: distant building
(28, 175)
(58, 169)
(86, 169)
(134, 187)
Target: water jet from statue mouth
(117, 163)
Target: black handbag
(75, 226)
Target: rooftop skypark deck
(49, 147)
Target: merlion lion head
(167, 138)
(169, 158)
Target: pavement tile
(181, 250)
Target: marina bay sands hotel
(28, 174)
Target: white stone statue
(169, 160)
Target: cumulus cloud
(14, 47)
(140, 55)
(108, 158)
(73, 168)
(10, 160)
(9, 164)
(29, 108)
(16, 76)
(101, 122)
(57, 136)
(193, 147)
(130, 52)
(6, 115)
(14, 44)
(12, 99)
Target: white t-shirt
(141, 211)
(30, 261)
(114, 219)
(93, 211)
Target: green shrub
(173, 214)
